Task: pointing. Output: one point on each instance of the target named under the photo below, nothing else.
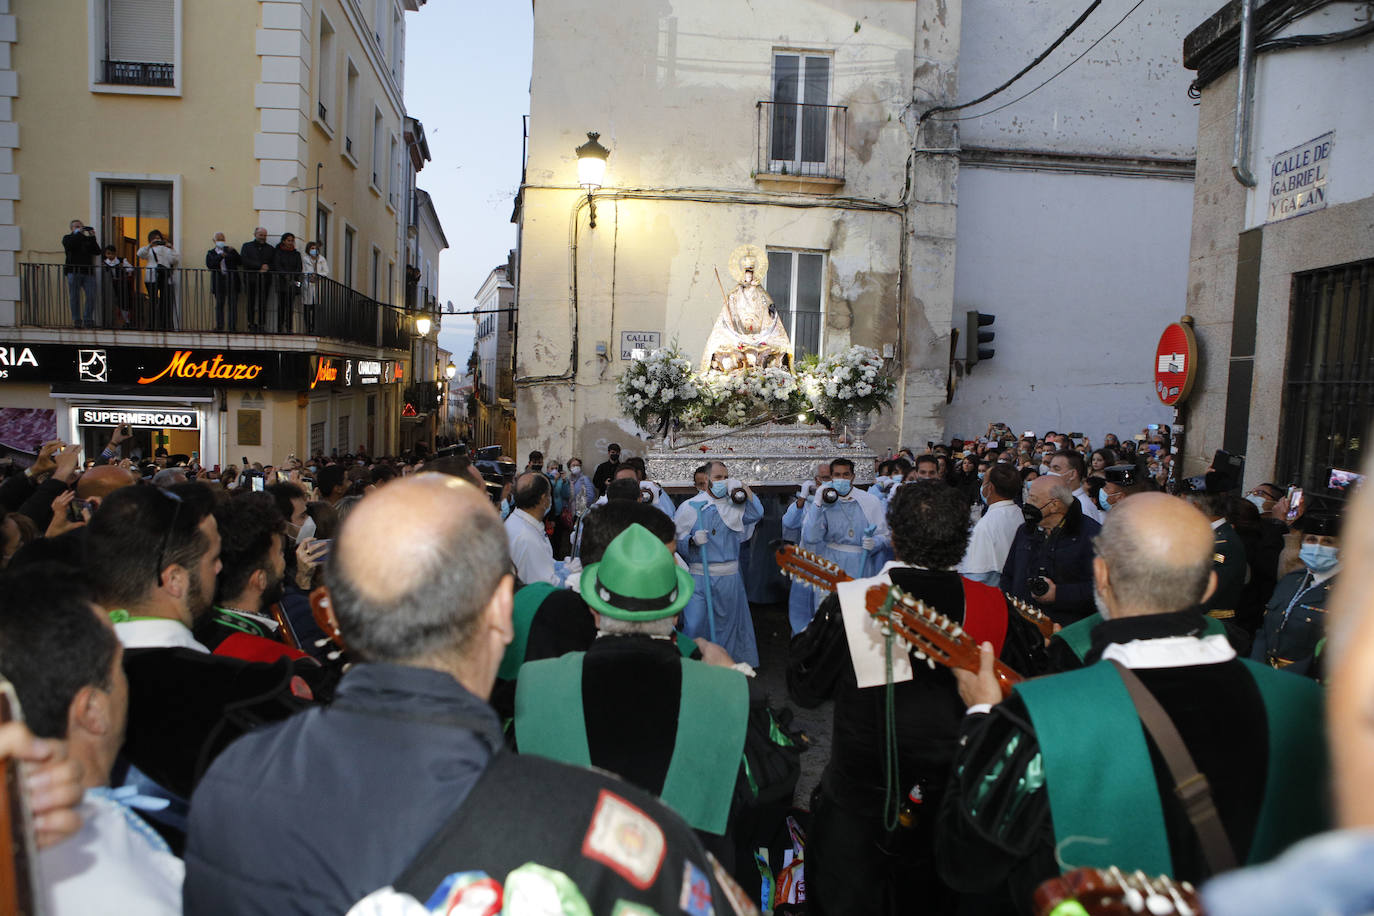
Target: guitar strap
(1190, 785)
(985, 614)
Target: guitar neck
(805, 566)
(1032, 613)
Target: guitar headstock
(937, 637)
(805, 566)
(1032, 613)
(1110, 891)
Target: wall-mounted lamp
(450, 370)
(422, 326)
(591, 169)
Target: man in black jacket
(82, 251)
(606, 469)
(257, 259)
(224, 262)
(857, 861)
(419, 584)
(1050, 562)
(286, 261)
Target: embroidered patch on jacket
(695, 897)
(534, 890)
(625, 839)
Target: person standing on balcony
(289, 267)
(162, 260)
(257, 257)
(117, 287)
(223, 262)
(82, 250)
(315, 266)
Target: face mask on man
(575, 470)
(719, 489)
(1257, 501)
(1032, 514)
(842, 486)
(1102, 500)
(312, 251)
(1319, 558)
(219, 243)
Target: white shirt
(157, 633)
(530, 549)
(990, 542)
(1091, 509)
(110, 866)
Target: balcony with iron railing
(137, 73)
(209, 301)
(801, 144)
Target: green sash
(527, 602)
(1078, 636)
(712, 715)
(1103, 797)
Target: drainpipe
(1245, 81)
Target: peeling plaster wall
(673, 90)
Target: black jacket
(1064, 555)
(82, 251)
(254, 254)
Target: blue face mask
(841, 486)
(1102, 500)
(1319, 558)
(719, 489)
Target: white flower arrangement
(658, 387)
(848, 382)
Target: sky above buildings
(467, 81)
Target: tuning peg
(322, 642)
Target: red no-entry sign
(1175, 364)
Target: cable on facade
(1085, 53)
(1022, 72)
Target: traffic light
(974, 349)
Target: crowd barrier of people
(438, 682)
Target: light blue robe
(844, 524)
(734, 627)
(802, 599)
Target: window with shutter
(140, 42)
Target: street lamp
(591, 169)
(450, 370)
(422, 326)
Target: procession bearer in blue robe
(850, 523)
(710, 528)
(803, 598)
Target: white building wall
(1297, 98)
(1083, 273)
(1125, 97)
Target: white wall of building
(1083, 273)
(1125, 97)
(1300, 95)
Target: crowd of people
(106, 290)
(435, 681)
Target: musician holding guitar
(858, 859)
(1166, 755)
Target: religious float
(747, 403)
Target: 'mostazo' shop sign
(1297, 178)
(146, 418)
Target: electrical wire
(1020, 73)
(1086, 51)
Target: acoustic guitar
(1044, 624)
(19, 887)
(1112, 892)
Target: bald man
(102, 480)
(1062, 769)
(311, 815)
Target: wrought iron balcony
(797, 139)
(208, 301)
(137, 73)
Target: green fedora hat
(636, 579)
